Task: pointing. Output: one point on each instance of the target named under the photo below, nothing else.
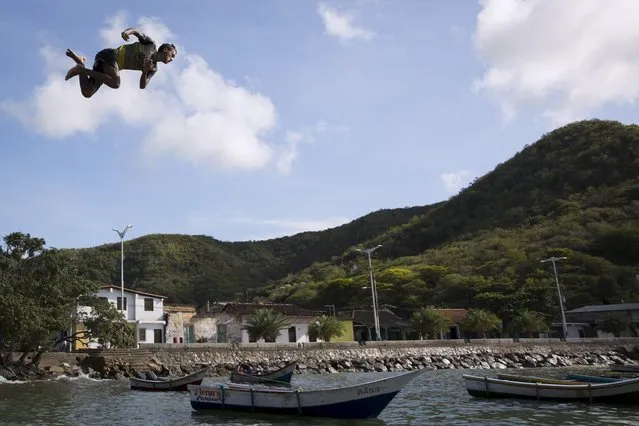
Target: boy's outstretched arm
(140, 35)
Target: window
(120, 304)
(142, 334)
(148, 304)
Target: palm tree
(326, 327)
(482, 321)
(266, 324)
(429, 321)
(527, 322)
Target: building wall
(301, 333)
(145, 333)
(206, 326)
(348, 334)
(146, 322)
(80, 343)
(176, 322)
(574, 331)
(112, 296)
(174, 327)
(135, 305)
(140, 314)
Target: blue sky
(281, 116)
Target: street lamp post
(368, 252)
(122, 234)
(554, 259)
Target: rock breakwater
(331, 358)
(326, 361)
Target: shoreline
(116, 370)
(329, 358)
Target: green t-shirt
(133, 56)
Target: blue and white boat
(362, 401)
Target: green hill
(194, 269)
(574, 192)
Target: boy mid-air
(140, 56)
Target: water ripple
(437, 397)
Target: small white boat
(624, 391)
(168, 384)
(362, 401)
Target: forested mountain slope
(193, 269)
(573, 193)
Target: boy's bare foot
(78, 59)
(73, 71)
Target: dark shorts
(106, 57)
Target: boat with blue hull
(361, 401)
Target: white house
(145, 310)
(226, 322)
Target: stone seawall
(376, 356)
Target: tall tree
(40, 290)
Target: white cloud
(453, 182)
(340, 24)
(289, 154)
(568, 57)
(188, 112)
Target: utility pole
(561, 299)
(368, 252)
(122, 234)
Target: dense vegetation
(194, 269)
(573, 193)
(39, 292)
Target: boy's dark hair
(167, 45)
